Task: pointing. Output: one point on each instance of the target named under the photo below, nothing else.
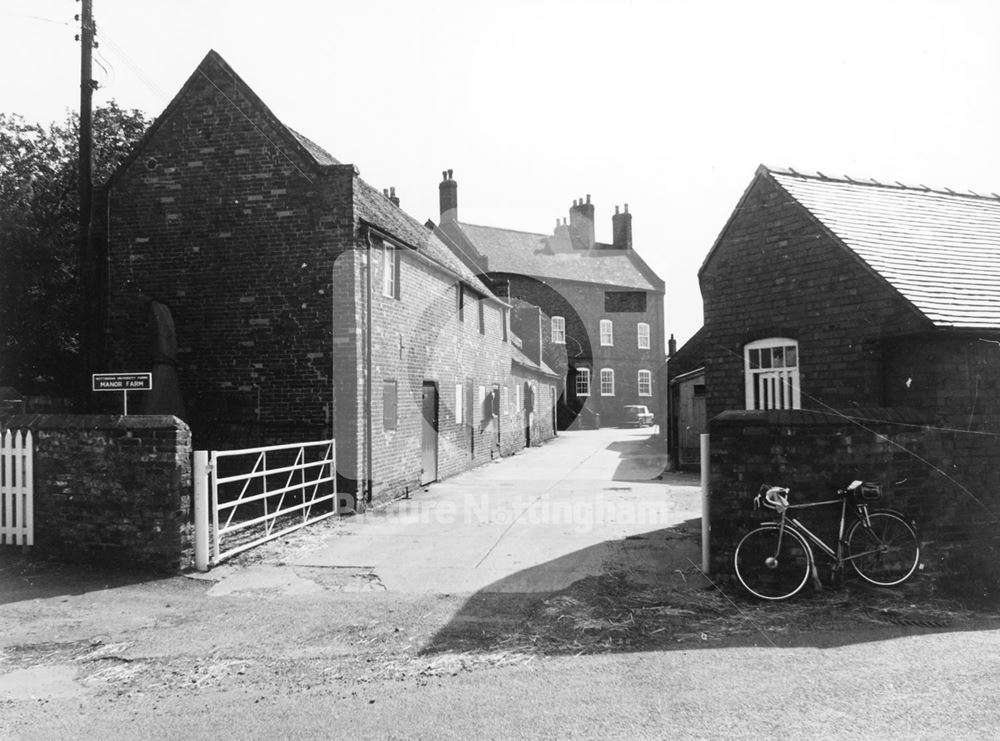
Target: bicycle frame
(775, 559)
(797, 525)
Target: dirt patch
(611, 613)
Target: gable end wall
(776, 272)
(243, 238)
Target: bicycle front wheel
(884, 553)
(771, 563)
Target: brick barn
(852, 330)
(603, 302)
(289, 300)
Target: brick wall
(944, 479)
(955, 377)
(112, 490)
(225, 221)
(421, 337)
(777, 273)
(582, 305)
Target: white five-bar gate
(17, 526)
(246, 497)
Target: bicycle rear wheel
(773, 564)
(886, 553)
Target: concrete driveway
(586, 503)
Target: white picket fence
(17, 526)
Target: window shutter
(389, 405)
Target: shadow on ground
(642, 459)
(27, 577)
(623, 610)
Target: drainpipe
(368, 370)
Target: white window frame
(642, 331)
(389, 271)
(607, 333)
(559, 330)
(771, 370)
(607, 377)
(645, 379)
(582, 384)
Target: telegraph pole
(87, 266)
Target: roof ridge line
(872, 182)
(503, 229)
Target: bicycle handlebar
(773, 497)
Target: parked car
(638, 415)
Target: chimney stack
(449, 197)
(392, 196)
(581, 224)
(621, 229)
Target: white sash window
(643, 334)
(559, 330)
(645, 383)
(607, 382)
(607, 333)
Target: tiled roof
(319, 154)
(940, 249)
(375, 208)
(690, 356)
(526, 253)
(524, 361)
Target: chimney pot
(621, 229)
(581, 224)
(448, 197)
(444, 174)
(588, 198)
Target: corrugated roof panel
(940, 250)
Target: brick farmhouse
(852, 330)
(603, 303)
(302, 303)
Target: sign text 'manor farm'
(122, 381)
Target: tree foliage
(40, 297)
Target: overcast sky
(666, 105)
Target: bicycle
(775, 560)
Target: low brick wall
(946, 480)
(112, 490)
